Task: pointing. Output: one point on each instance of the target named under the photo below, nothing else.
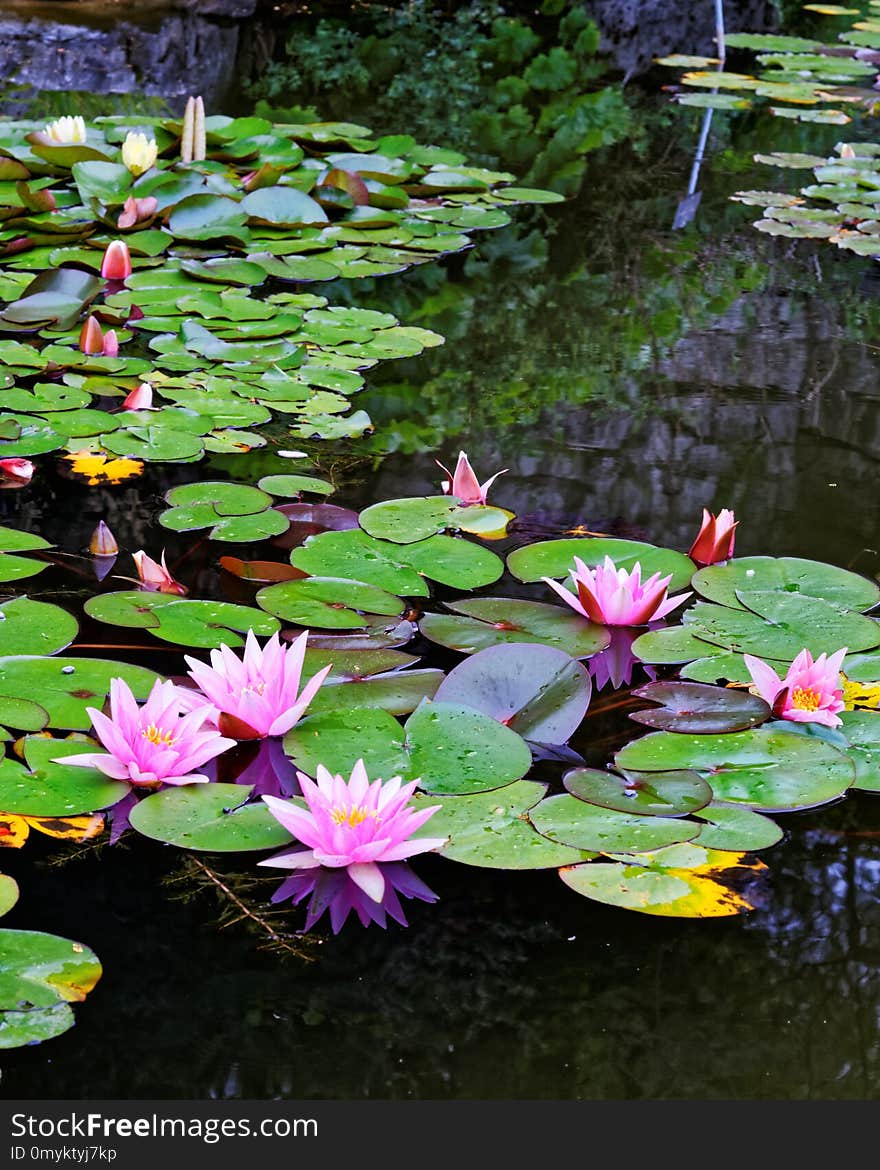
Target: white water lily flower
(67, 131)
(138, 152)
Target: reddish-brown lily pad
(691, 707)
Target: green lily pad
(762, 769)
(349, 665)
(672, 645)
(780, 625)
(34, 627)
(398, 693)
(225, 270)
(55, 790)
(34, 1026)
(8, 893)
(210, 817)
(725, 667)
(327, 602)
(570, 821)
(288, 486)
(789, 575)
(690, 706)
(196, 213)
(647, 794)
(708, 891)
(339, 739)
(737, 829)
(555, 558)
(154, 444)
(408, 520)
(540, 692)
(495, 621)
(284, 206)
(208, 624)
(448, 748)
(107, 182)
(491, 829)
(16, 568)
(226, 499)
(64, 687)
(38, 970)
(862, 731)
(397, 568)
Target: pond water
(627, 376)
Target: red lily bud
(715, 539)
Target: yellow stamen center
(353, 816)
(158, 737)
(253, 688)
(805, 699)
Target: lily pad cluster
(772, 607)
(800, 78)
(214, 315)
(667, 826)
(839, 206)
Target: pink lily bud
(103, 542)
(715, 539)
(135, 211)
(17, 470)
(139, 399)
(116, 264)
(111, 344)
(91, 337)
(156, 578)
(464, 484)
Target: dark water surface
(626, 376)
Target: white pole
(719, 27)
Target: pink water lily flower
(257, 695)
(154, 744)
(715, 539)
(809, 693)
(614, 597)
(352, 824)
(464, 484)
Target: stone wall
(636, 31)
(167, 51)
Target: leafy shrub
(510, 93)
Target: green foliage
(515, 94)
(54, 103)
